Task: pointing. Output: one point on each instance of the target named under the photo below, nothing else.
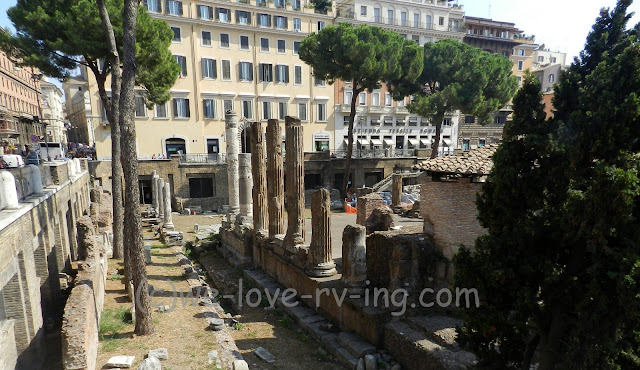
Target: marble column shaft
(154, 201)
(354, 257)
(160, 186)
(245, 184)
(320, 263)
(275, 178)
(233, 143)
(168, 218)
(396, 190)
(258, 167)
(295, 182)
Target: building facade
(53, 113)
(78, 109)
(19, 106)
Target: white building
(53, 112)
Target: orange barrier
(349, 209)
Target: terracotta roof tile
(473, 162)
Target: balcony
(346, 108)
(377, 109)
(203, 158)
(401, 110)
(376, 153)
(8, 128)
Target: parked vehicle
(13, 160)
(52, 150)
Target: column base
(169, 225)
(324, 269)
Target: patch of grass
(115, 277)
(156, 246)
(238, 326)
(252, 334)
(303, 337)
(111, 344)
(112, 323)
(286, 321)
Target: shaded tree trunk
(352, 116)
(436, 143)
(132, 223)
(114, 118)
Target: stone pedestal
(396, 190)
(168, 218)
(258, 167)
(8, 191)
(233, 142)
(275, 179)
(295, 183)
(245, 183)
(160, 187)
(354, 258)
(320, 262)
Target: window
(441, 21)
(540, 59)
(206, 38)
(413, 121)
(281, 22)
(362, 98)
(481, 143)
(297, 75)
(387, 120)
(552, 78)
(153, 5)
(160, 110)
(387, 99)
(205, 12)
(209, 69)
(429, 23)
(246, 71)
(553, 59)
(446, 122)
(213, 146)
(181, 108)
(282, 73)
(247, 109)
(264, 20)
(209, 107)
(302, 111)
(321, 25)
(390, 17)
(416, 20)
(375, 98)
(264, 44)
(182, 62)
(403, 18)
(200, 187)
(505, 53)
(176, 34)
(223, 15)
(282, 110)
(226, 70)
(279, 3)
(521, 52)
(265, 72)
(416, 39)
(322, 112)
(224, 40)
(227, 105)
(465, 145)
(297, 24)
(295, 4)
(244, 42)
(520, 65)
(376, 15)
(174, 7)
(320, 82)
(296, 47)
(243, 17)
(282, 46)
(266, 110)
(141, 109)
(363, 11)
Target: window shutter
(238, 16)
(175, 108)
(214, 67)
(249, 17)
(180, 7)
(278, 73)
(186, 102)
(144, 3)
(250, 71)
(159, 5)
(217, 14)
(183, 62)
(286, 74)
(203, 63)
(166, 6)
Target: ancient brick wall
(366, 205)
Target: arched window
(552, 78)
(175, 146)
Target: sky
(562, 25)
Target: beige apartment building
(19, 105)
(240, 56)
(53, 113)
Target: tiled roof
(473, 162)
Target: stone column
(160, 186)
(168, 218)
(258, 166)
(320, 263)
(354, 258)
(275, 179)
(245, 183)
(154, 201)
(295, 183)
(396, 190)
(231, 135)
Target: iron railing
(201, 158)
(376, 153)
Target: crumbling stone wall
(366, 204)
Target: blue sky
(561, 25)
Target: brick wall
(366, 205)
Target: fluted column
(168, 218)
(275, 178)
(321, 264)
(258, 166)
(231, 134)
(295, 182)
(354, 258)
(160, 186)
(245, 183)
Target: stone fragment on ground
(240, 365)
(370, 362)
(264, 355)
(159, 353)
(120, 361)
(150, 363)
(216, 324)
(213, 357)
(360, 365)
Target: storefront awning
(376, 142)
(426, 142)
(414, 142)
(363, 141)
(389, 142)
(447, 142)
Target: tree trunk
(114, 120)
(436, 143)
(352, 116)
(132, 223)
